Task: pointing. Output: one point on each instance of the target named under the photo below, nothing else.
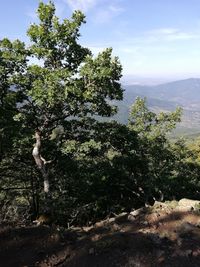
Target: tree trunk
(35, 197)
(41, 164)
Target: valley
(166, 97)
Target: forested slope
(56, 158)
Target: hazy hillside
(166, 97)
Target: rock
(162, 206)
(111, 220)
(122, 217)
(131, 218)
(145, 223)
(87, 228)
(100, 224)
(188, 202)
(159, 204)
(116, 227)
(186, 205)
(137, 212)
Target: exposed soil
(162, 235)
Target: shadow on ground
(152, 238)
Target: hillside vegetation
(167, 97)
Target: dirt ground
(162, 235)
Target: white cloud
(170, 34)
(107, 13)
(83, 5)
(160, 37)
(102, 11)
(163, 31)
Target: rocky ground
(166, 234)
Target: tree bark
(41, 162)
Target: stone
(137, 212)
(131, 218)
(111, 220)
(122, 217)
(187, 205)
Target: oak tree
(55, 80)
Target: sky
(154, 39)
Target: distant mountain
(183, 92)
(166, 97)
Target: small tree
(155, 148)
(57, 79)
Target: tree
(11, 61)
(155, 148)
(66, 82)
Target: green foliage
(97, 167)
(150, 124)
(65, 84)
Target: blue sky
(157, 39)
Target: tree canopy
(52, 93)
